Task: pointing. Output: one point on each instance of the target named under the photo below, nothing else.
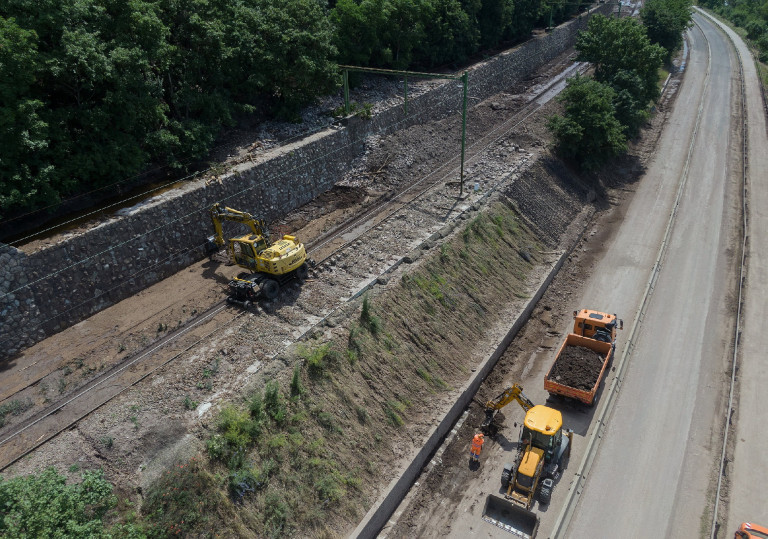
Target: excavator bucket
(510, 517)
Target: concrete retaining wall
(49, 290)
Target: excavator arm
(513, 393)
(220, 214)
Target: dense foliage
(601, 114)
(93, 91)
(44, 505)
(752, 15)
(665, 21)
(627, 61)
(589, 132)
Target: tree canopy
(665, 21)
(602, 113)
(92, 92)
(588, 132)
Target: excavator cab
(542, 427)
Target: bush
(296, 389)
(44, 505)
(320, 359)
(589, 133)
(273, 402)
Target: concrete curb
(377, 516)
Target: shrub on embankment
(305, 453)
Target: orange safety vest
(477, 443)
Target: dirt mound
(577, 367)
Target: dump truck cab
(596, 325)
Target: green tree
(615, 45)
(24, 172)
(494, 20)
(665, 21)
(588, 133)
(449, 35)
(527, 12)
(355, 35)
(44, 505)
(626, 60)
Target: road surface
(657, 464)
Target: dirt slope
(308, 458)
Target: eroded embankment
(324, 429)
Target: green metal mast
(405, 74)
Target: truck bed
(574, 373)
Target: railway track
(60, 415)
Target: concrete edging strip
(378, 516)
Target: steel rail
(441, 173)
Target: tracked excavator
(541, 450)
(269, 265)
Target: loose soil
(375, 384)
(577, 367)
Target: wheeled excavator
(269, 265)
(541, 450)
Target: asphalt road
(748, 473)
(657, 463)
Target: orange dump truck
(584, 356)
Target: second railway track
(27, 435)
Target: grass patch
(431, 379)
(319, 360)
(186, 501)
(14, 407)
(392, 410)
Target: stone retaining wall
(49, 290)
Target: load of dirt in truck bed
(577, 367)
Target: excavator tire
(270, 288)
(302, 272)
(545, 495)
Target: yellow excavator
(541, 450)
(269, 265)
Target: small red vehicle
(748, 530)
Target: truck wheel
(270, 289)
(302, 272)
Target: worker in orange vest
(477, 446)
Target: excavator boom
(220, 214)
(513, 393)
